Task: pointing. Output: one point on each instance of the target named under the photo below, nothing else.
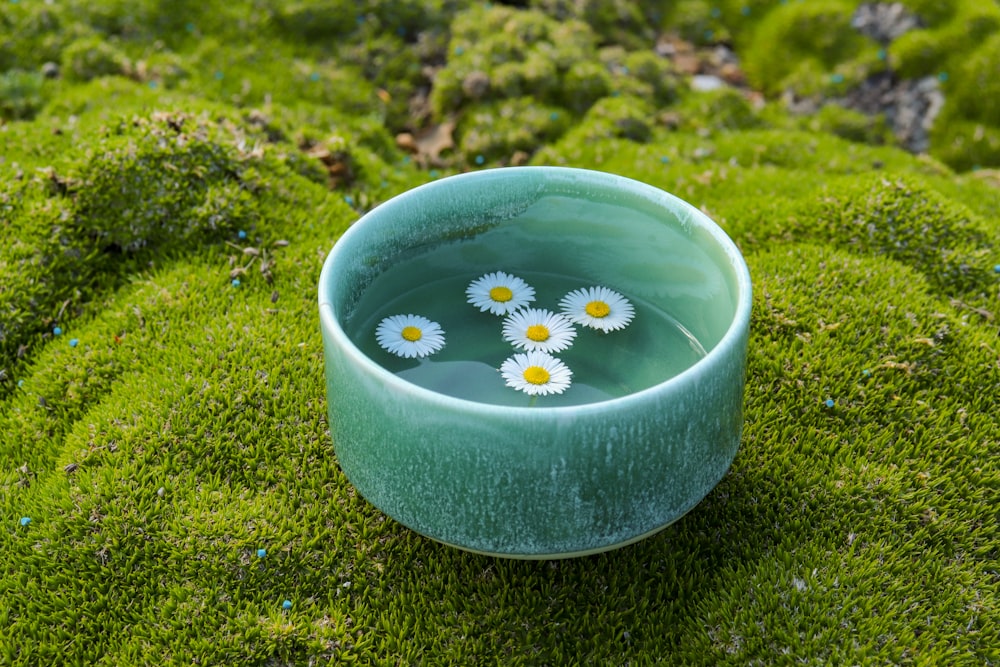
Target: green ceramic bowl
(443, 446)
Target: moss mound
(172, 176)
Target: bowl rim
(731, 338)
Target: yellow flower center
(412, 334)
(597, 309)
(501, 294)
(536, 375)
(538, 332)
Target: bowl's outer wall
(526, 482)
(569, 481)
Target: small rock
(706, 82)
(50, 70)
(406, 142)
(884, 21)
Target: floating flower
(538, 329)
(598, 308)
(500, 293)
(409, 335)
(536, 373)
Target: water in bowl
(432, 281)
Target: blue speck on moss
(665, 160)
(286, 605)
(241, 234)
(152, 84)
(236, 282)
(20, 383)
(433, 173)
(349, 200)
(996, 268)
(837, 78)
(73, 342)
(866, 373)
(942, 76)
(882, 55)
(25, 520)
(709, 34)
(189, 27)
(554, 115)
(314, 76)
(219, 75)
(57, 331)
(745, 10)
(261, 553)
(480, 159)
(829, 403)
(459, 50)
(716, 12)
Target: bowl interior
(559, 230)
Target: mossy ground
(167, 203)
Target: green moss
(722, 109)
(585, 83)
(851, 125)
(966, 144)
(92, 58)
(34, 33)
(642, 74)
(503, 52)
(496, 131)
(621, 116)
(947, 46)
(22, 94)
(976, 93)
(614, 21)
(933, 12)
(797, 32)
(186, 429)
(696, 21)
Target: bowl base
(565, 555)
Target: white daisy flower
(500, 293)
(536, 373)
(598, 308)
(409, 335)
(538, 329)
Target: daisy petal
(598, 308)
(500, 293)
(538, 329)
(536, 373)
(409, 336)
